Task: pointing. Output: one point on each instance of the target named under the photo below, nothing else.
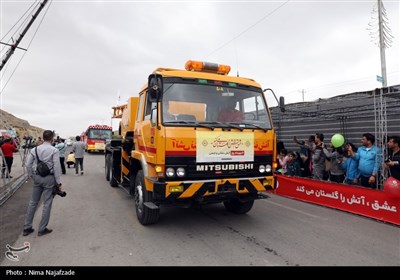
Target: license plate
(226, 186)
(100, 146)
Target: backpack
(41, 168)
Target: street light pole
(382, 44)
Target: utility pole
(382, 38)
(382, 45)
(302, 94)
(15, 45)
(380, 35)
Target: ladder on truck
(118, 111)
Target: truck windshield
(217, 105)
(99, 134)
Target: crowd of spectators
(345, 164)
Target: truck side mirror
(155, 87)
(282, 103)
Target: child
(293, 165)
(71, 159)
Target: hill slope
(22, 127)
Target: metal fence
(350, 115)
(376, 111)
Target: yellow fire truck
(177, 148)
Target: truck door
(148, 138)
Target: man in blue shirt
(62, 147)
(368, 158)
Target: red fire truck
(95, 137)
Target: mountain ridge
(21, 126)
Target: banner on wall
(380, 205)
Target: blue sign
(379, 79)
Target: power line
(30, 42)
(248, 28)
(18, 21)
(335, 84)
(10, 52)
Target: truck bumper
(211, 191)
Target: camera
(28, 142)
(56, 190)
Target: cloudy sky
(82, 55)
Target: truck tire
(234, 205)
(145, 215)
(132, 183)
(113, 181)
(107, 167)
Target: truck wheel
(132, 184)
(107, 167)
(234, 205)
(113, 182)
(144, 214)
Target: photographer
(28, 142)
(43, 185)
(393, 161)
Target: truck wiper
(234, 125)
(195, 123)
(214, 124)
(224, 125)
(256, 126)
(173, 122)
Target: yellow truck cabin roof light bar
(201, 66)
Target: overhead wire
(10, 40)
(248, 28)
(11, 58)
(20, 27)
(30, 42)
(258, 22)
(333, 85)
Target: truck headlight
(261, 168)
(180, 172)
(170, 172)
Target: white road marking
(295, 210)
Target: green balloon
(337, 140)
